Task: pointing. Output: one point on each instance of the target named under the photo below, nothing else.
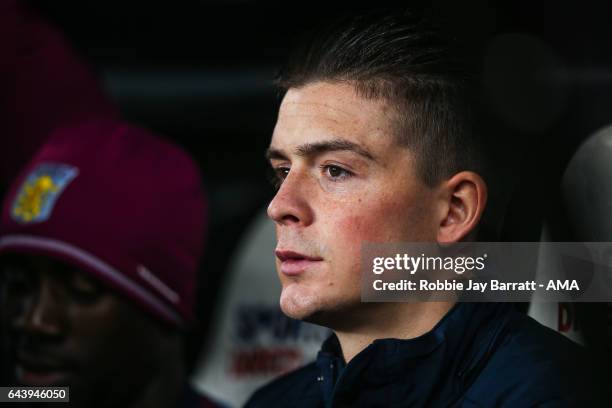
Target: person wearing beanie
(100, 238)
(46, 83)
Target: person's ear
(465, 197)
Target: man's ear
(465, 197)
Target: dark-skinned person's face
(67, 328)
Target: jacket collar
(449, 353)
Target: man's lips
(41, 378)
(293, 263)
(33, 371)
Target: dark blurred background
(200, 72)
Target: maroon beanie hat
(119, 203)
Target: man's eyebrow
(310, 149)
(275, 154)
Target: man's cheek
(352, 232)
(367, 227)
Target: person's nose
(41, 312)
(292, 204)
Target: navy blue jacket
(478, 355)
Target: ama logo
(37, 195)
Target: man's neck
(164, 390)
(391, 320)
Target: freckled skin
(318, 214)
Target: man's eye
(83, 289)
(85, 296)
(282, 172)
(84, 284)
(336, 172)
(17, 282)
(279, 175)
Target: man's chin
(298, 302)
(318, 316)
(308, 306)
(294, 311)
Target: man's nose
(292, 203)
(41, 312)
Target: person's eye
(80, 295)
(17, 282)
(279, 174)
(83, 289)
(335, 172)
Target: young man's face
(68, 329)
(345, 181)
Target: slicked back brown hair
(417, 67)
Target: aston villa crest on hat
(37, 195)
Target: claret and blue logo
(38, 194)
